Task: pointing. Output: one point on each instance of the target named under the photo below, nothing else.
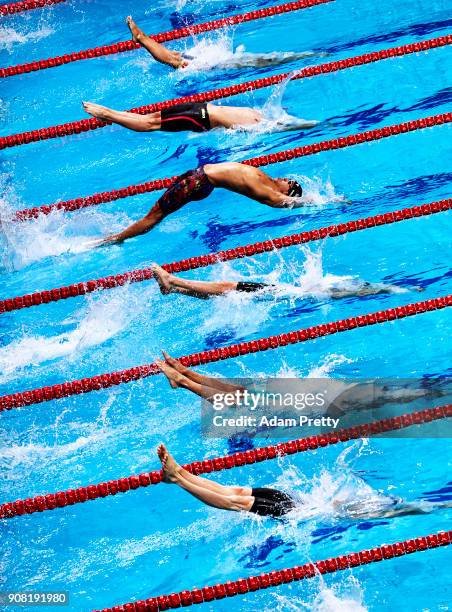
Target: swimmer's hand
(100, 242)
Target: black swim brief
(271, 502)
(193, 117)
(190, 186)
(248, 287)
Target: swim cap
(295, 189)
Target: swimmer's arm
(285, 202)
(142, 226)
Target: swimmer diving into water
(178, 60)
(195, 116)
(198, 184)
(276, 503)
(169, 283)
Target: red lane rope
(263, 160)
(20, 7)
(80, 495)
(104, 381)
(85, 125)
(289, 574)
(201, 261)
(129, 45)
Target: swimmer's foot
(174, 377)
(163, 279)
(170, 467)
(137, 34)
(175, 364)
(96, 110)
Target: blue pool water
(160, 540)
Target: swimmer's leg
(158, 51)
(206, 491)
(232, 116)
(169, 283)
(207, 381)
(132, 121)
(178, 380)
(204, 386)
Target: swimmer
(196, 117)
(180, 61)
(179, 376)
(261, 501)
(275, 503)
(198, 184)
(349, 398)
(169, 283)
(193, 117)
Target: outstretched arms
(144, 225)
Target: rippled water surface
(160, 540)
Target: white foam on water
(346, 595)
(23, 243)
(246, 312)
(314, 282)
(216, 52)
(32, 455)
(10, 37)
(101, 319)
(336, 494)
(276, 118)
(328, 365)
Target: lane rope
(263, 160)
(112, 379)
(231, 588)
(19, 7)
(86, 125)
(202, 261)
(162, 37)
(79, 495)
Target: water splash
(102, 319)
(217, 52)
(334, 495)
(346, 595)
(311, 282)
(10, 37)
(235, 308)
(52, 235)
(328, 365)
(314, 282)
